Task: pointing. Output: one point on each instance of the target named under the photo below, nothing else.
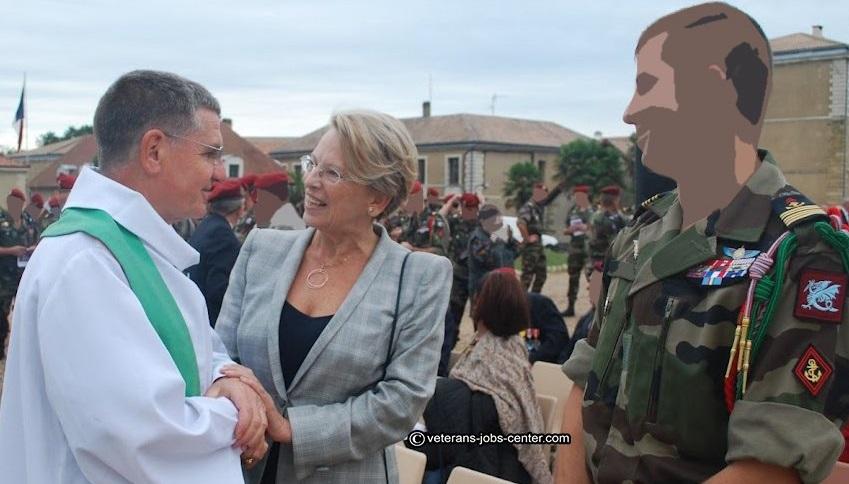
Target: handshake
(258, 415)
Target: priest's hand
(278, 426)
(252, 424)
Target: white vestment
(91, 394)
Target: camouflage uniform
(577, 250)
(604, 226)
(399, 219)
(458, 250)
(10, 273)
(486, 255)
(653, 365)
(245, 224)
(32, 228)
(430, 230)
(533, 254)
(48, 218)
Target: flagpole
(26, 123)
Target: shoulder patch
(813, 370)
(821, 295)
(793, 208)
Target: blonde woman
(341, 325)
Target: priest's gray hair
(141, 100)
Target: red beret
(581, 189)
(416, 188)
(66, 181)
(271, 180)
(17, 193)
(470, 200)
(432, 192)
(611, 190)
(248, 180)
(225, 189)
(53, 201)
(37, 200)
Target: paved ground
(556, 287)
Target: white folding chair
(550, 380)
(547, 405)
(461, 475)
(411, 465)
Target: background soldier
(577, 224)
(247, 221)
(604, 225)
(462, 225)
(530, 222)
(486, 251)
(52, 213)
(13, 245)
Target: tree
(520, 184)
(589, 162)
(71, 132)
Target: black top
(298, 332)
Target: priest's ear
(154, 150)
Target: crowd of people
(714, 349)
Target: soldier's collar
(745, 218)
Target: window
(423, 170)
(234, 166)
(541, 167)
(298, 168)
(233, 171)
(453, 163)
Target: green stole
(145, 281)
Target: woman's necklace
(317, 278)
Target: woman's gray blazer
(344, 418)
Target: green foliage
(296, 187)
(72, 132)
(520, 184)
(590, 162)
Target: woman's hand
(278, 426)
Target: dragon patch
(821, 296)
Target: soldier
(433, 201)
(13, 248)
(247, 221)
(577, 224)
(462, 225)
(429, 231)
(52, 213)
(31, 217)
(486, 251)
(604, 225)
(720, 351)
(530, 221)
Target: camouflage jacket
(430, 230)
(603, 228)
(578, 240)
(399, 219)
(486, 255)
(461, 232)
(653, 364)
(10, 236)
(531, 215)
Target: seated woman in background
(490, 391)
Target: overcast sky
(280, 68)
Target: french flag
(19, 118)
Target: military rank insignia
(813, 370)
(732, 268)
(821, 295)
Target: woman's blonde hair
(379, 151)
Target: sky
(280, 68)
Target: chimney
(816, 31)
(426, 109)
(228, 121)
